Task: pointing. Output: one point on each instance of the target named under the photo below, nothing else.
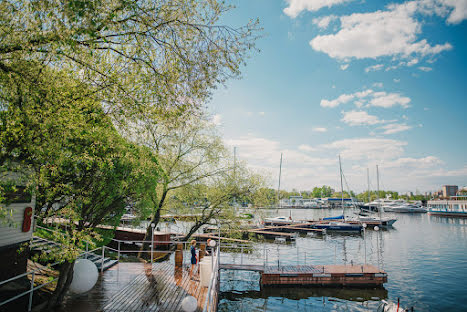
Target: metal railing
(210, 302)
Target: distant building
(449, 190)
(409, 194)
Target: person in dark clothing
(194, 257)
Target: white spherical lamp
(212, 243)
(84, 276)
(376, 228)
(189, 304)
(364, 225)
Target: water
(425, 258)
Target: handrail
(214, 279)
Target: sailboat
(340, 226)
(369, 218)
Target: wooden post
(202, 251)
(179, 255)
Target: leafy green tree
(141, 56)
(82, 170)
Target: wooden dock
(271, 234)
(161, 289)
(317, 275)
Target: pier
(316, 275)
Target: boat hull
(339, 228)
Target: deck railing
(210, 304)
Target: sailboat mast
(368, 179)
(279, 186)
(342, 187)
(377, 194)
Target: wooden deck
(134, 287)
(161, 289)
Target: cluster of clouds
(393, 32)
(301, 169)
(369, 98)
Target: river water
(425, 258)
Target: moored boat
(455, 206)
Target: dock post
(278, 256)
(298, 259)
(241, 255)
(202, 251)
(32, 291)
(102, 259)
(87, 249)
(179, 255)
(152, 240)
(118, 256)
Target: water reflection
(297, 293)
(423, 255)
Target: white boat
(455, 206)
(405, 208)
(386, 306)
(384, 221)
(278, 221)
(370, 216)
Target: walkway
(133, 287)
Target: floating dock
(317, 275)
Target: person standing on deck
(194, 257)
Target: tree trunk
(155, 220)
(64, 280)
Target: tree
(324, 191)
(217, 192)
(141, 57)
(188, 150)
(82, 170)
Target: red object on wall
(27, 219)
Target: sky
(376, 82)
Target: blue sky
(376, 82)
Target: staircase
(39, 244)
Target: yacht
(370, 216)
(278, 221)
(405, 208)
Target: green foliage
(142, 56)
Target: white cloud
(217, 119)
(395, 128)
(459, 12)
(359, 118)
(344, 66)
(391, 32)
(370, 98)
(262, 113)
(425, 69)
(319, 129)
(374, 68)
(300, 170)
(412, 62)
(323, 22)
(368, 148)
(386, 100)
(297, 6)
(306, 148)
(378, 84)
(396, 80)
